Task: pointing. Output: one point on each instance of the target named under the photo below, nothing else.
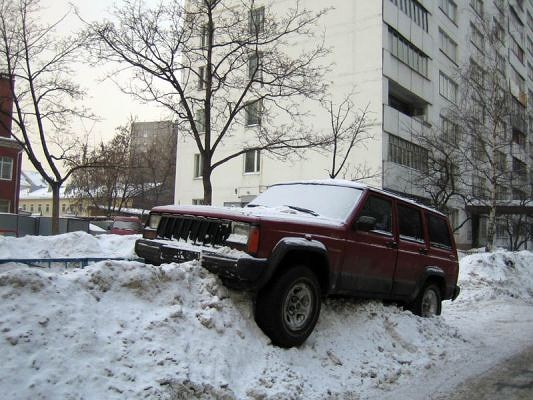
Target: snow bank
(74, 244)
(126, 330)
(487, 276)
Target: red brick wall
(6, 106)
(9, 189)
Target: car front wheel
(288, 308)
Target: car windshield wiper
(304, 210)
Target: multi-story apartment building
(154, 171)
(402, 57)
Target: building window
(48, 208)
(252, 161)
(414, 10)
(197, 202)
(476, 73)
(448, 46)
(201, 78)
(24, 207)
(447, 88)
(39, 208)
(407, 153)
(254, 66)
(256, 21)
(6, 168)
(4, 205)
(479, 187)
(498, 31)
(198, 166)
(477, 5)
(530, 45)
(406, 52)
(519, 167)
(519, 137)
(253, 111)
(204, 38)
(515, 25)
(516, 49)
(200, 120)
(500, 64)
(31, 208)
(450, 131)
(449, 8)
(477, 37)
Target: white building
(401, 56)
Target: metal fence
(22, 225)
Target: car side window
(439, 235)
(381, 210)
(410, 223)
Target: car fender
(291, 244)
(429, 272)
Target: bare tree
(108, 183)
(441, 180)
(487, 110)
(220, 65)
(350, 129)
(39, 64)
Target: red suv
(298, 242)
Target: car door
(412, 249)
(441, 252)
(370, 254)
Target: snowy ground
(125, 330)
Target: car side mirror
(365, 223)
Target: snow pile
(74, 244)
(488, 276)
(126, 330)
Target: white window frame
(198, 166)
(6, 168)
(256, 161)
(448, 46)
(5, 205)
(253, 113)
(447, 87)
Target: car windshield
(329, 201)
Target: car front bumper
(237, 269)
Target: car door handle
(422, 250)
(391, 244)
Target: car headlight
(153, 222)
(244, 235)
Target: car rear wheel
(428, 303)
(288, 308)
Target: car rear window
(439, 235)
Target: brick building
(10, 151)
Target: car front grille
(198, 230)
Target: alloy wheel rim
(297, 307)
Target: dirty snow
(126, 330)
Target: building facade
(402, 57)
(153, 171)
(10, 151)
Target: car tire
(428, 302)
(287, 309)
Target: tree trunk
(491, 225)
(208, 187)
(55, 208)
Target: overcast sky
(103, 97)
